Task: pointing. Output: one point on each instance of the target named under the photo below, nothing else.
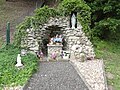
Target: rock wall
(75, 39)
(54, 52)
(77, 42)
(32, 40)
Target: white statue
(73, 21)
(19, 64)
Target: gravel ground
(92, 72)
(56, 76)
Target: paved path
(56, 76)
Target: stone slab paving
(93, 73)
(56, 76)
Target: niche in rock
(50, 32)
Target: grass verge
(11, 75)
(1, 41)
(110, 52)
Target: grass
(11, 75)
(110, 52)
(1, 41)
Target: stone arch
(74, 38)
(59, 22)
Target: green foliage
(105, 24)
(43, 14)
(110, 52)
(64, 9)
(107, 28)
(67, 6)
(79, 6)
(21, 30)
(9, 74)
(1, 42)
(105, 18)
(2, 1)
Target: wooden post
(8, 33)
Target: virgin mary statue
(73, 21)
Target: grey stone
(110, 87)
(72, 36)
(109, 75)
(60, 76)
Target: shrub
(105, 19)
(107, 29)
(9, 74)
(40, 17)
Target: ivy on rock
(43, 14)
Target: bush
(9, 74)
(2, 1)
(105, 19)
(79, 6)
(107, 29)
(41, 16)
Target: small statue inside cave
(57, 39)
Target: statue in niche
(57, 39)
(73, 20)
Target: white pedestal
(57, 49)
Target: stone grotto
(74, 45)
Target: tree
(105, 18)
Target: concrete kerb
(82, 77)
